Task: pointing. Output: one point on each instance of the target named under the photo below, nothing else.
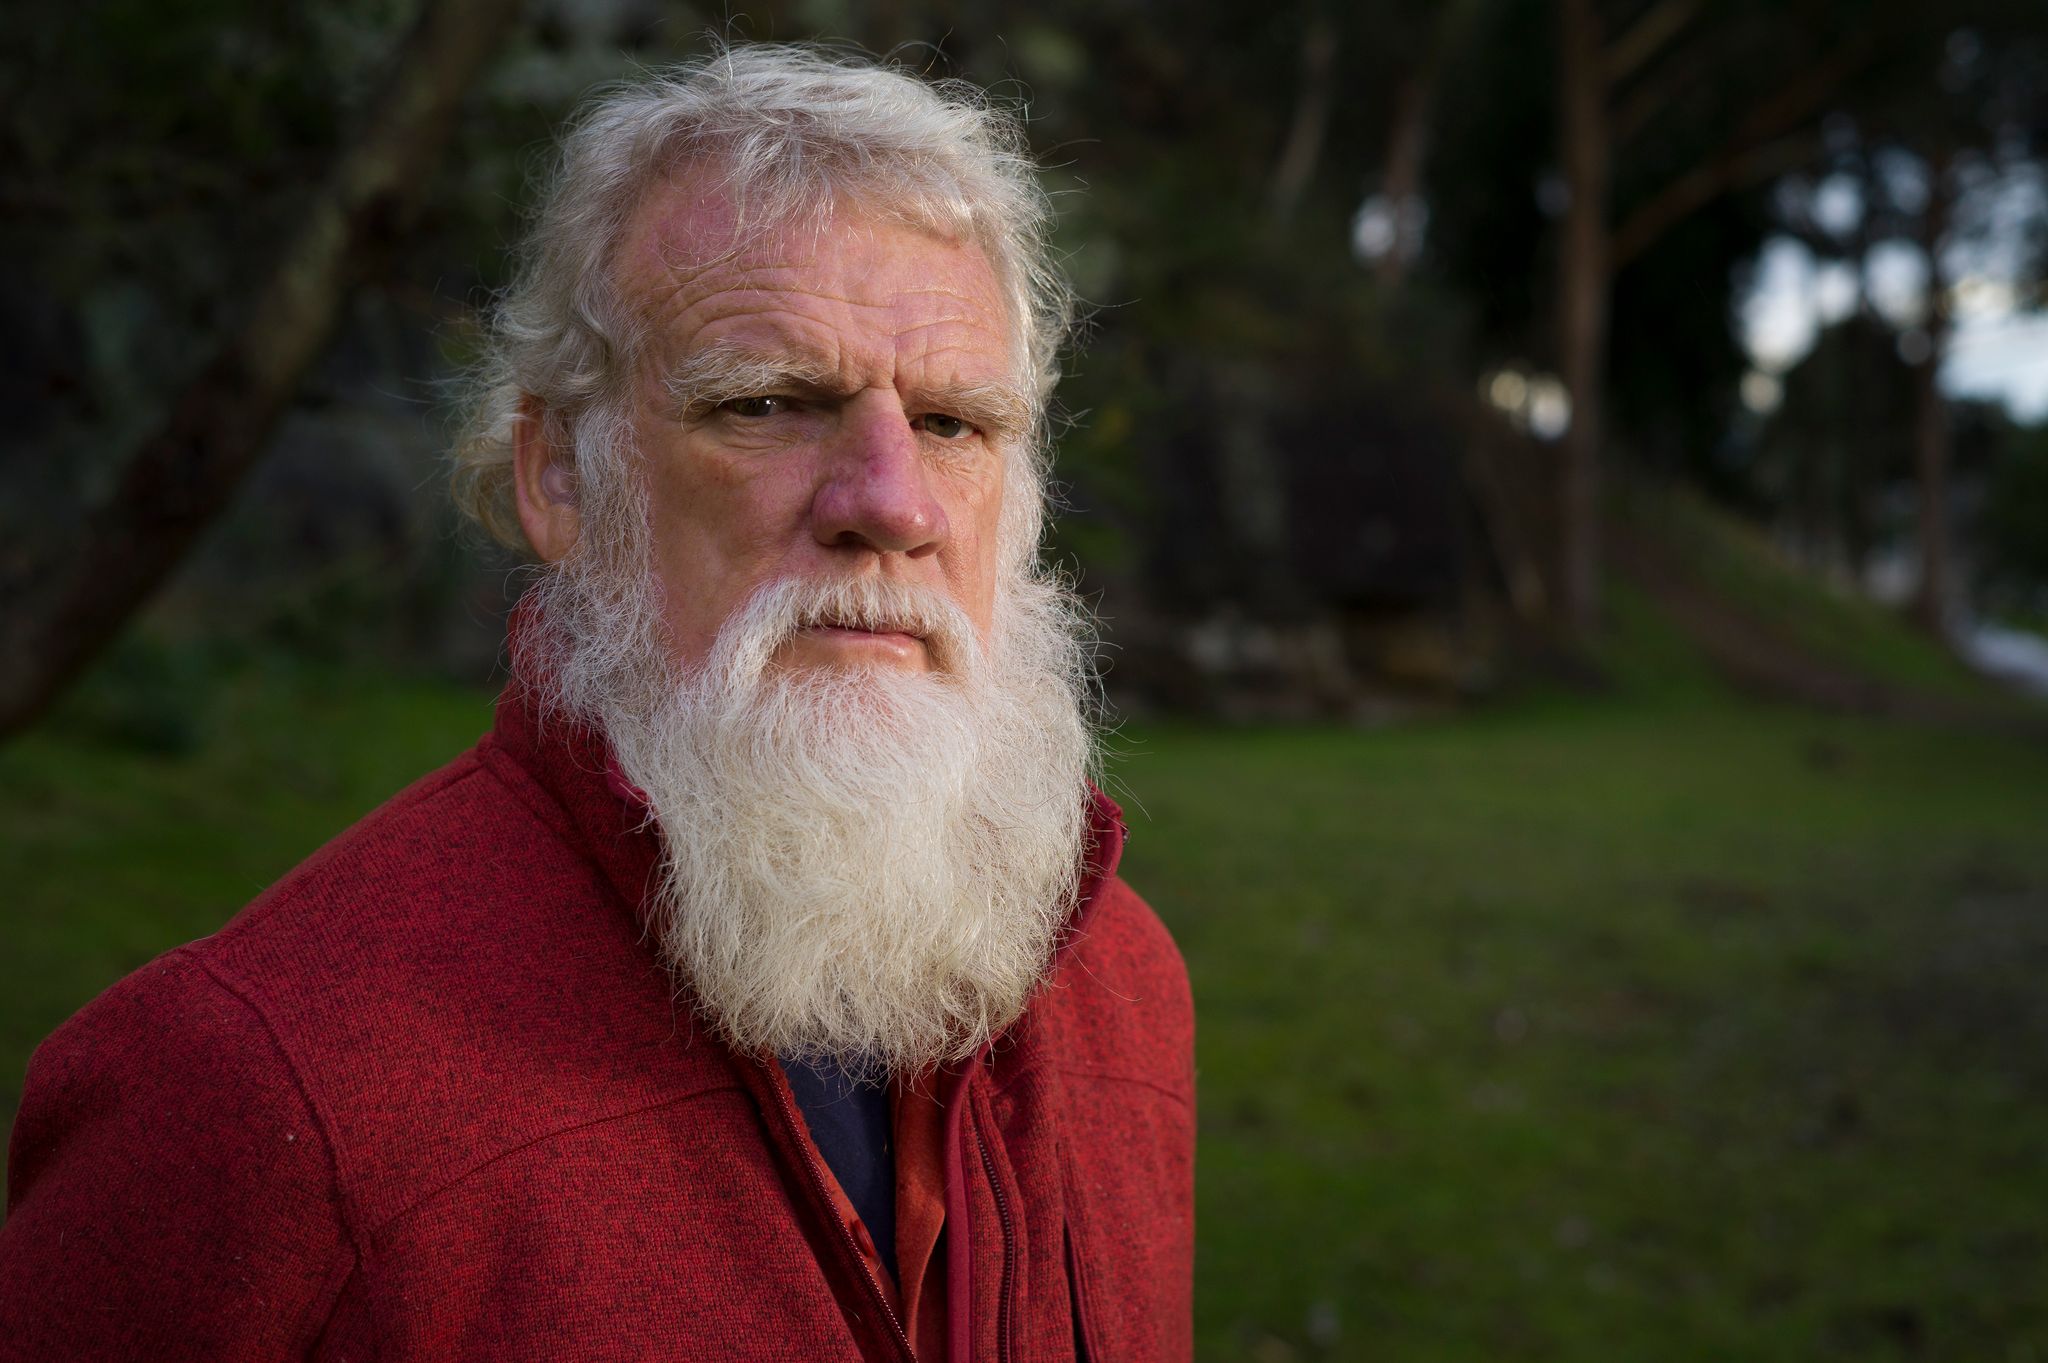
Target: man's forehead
(680, 219)
(684, 229)
(701, 275)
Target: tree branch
(1696, 61)
(1648, 36)
(1763, 145)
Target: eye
(943, 426)
(757, 407)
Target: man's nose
(876, 492)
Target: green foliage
(1843, 432)
(1488, 226)
(2015, 520)
(156, 157)
(150, 694)
(1675, 357)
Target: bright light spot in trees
(1835, 290)
(1508, 391)
(1550, 408)
(1979, 296)
(1375, 228)
(1385, 227)
(1761, 392)
(1538, 404)
(1838, 205)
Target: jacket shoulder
(387, 866)
(172, 1192)
(1122, 995)
(454, 978)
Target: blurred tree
(1929, 158)
(1673, 120)
(1931, 451)
(1972, 113)
(63, 595)
(2014, 573)
(1843, 430)
(1311, 236)
(1734, 93)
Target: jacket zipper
(794, 1135)
(1008, 1284)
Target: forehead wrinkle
(687, 226)
(741, 276)
(792, 339)
(741, 298)
(680, 307)
(936, 371)
(790, 313)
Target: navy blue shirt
(849, 1122)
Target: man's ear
(545, 484)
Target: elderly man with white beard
(761, 986)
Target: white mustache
(779, 611)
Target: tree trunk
(1931, 435)
(59, 609)
(1583, 280)
(1407, 150)
(1862, 466)
(1310, 124)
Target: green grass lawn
(1658, 1029)
(1584, 1032)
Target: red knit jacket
(433, 1097)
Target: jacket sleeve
(170, 1193)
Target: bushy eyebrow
(729, 370)
(719, 373)
(998, 409)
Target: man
(761, 985)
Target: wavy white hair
(789, 134)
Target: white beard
(861, 864)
